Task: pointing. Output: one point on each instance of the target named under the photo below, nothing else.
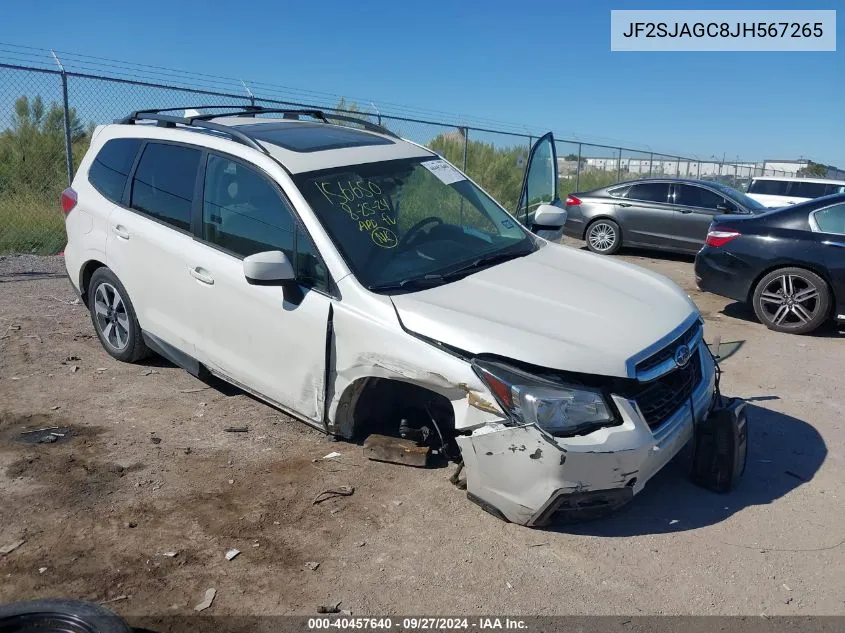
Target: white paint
(559, 307)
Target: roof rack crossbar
(203, 120)
(171, 121)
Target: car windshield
(411, 222)
(737, 196)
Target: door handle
(685, 210)
(202, 275)
(625, 204)
(120, 231)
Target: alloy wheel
(602, 236)
(790, 300)
(112, 320)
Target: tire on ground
(603, 236)
(134, 349)
(792, 324)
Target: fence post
(578, 169)
(619, 166)
(650, 164)
(466, 145)
(249, 93)
(678, 167)
(68, 144)
(698, 170)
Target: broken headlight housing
(555, 407)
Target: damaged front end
(536, 445)
(532, 470)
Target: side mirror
(548, 215)
(269, 268)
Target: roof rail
(204, 120)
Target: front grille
(667, 352)
(659, 399)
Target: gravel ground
(146, 468)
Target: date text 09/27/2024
(416, 624)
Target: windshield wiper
(426, 281)
(487, 260)
(436, 279)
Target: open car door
(540, 209)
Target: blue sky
(544, 65)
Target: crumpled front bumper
(528, 477)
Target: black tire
(792, 300)
(71, 616)
(603, 236)
(123, 340)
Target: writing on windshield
(363, 202)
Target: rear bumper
(574, 228)
(722, 273)
(530, 478)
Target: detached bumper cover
(530, 478)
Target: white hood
(560, 308)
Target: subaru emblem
(682, 356)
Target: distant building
(661, 165)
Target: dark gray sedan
(666, 214)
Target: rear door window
(649, 192)
(110, 169)
(163, 186)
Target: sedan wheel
(604, 237)
(792, 300)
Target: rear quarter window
(110, 168)
(807, 189)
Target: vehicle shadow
(657, 254)
(631, 251)
(783, 454)
(744, 312)
(155, 361)
(29, 276)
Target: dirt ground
(145, 466)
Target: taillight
(572, 201)
(68, 200)
(719, 236)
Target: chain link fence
(47, 118)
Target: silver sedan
(666, 214)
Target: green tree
(813, 170)
(499, 170)
(33, 172)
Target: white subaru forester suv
(360, 282)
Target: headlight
(557, 408)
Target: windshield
(737, 196)
(413, 219)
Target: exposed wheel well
(85, 277)
(377, 405)
(601, 217)
(818, 271)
